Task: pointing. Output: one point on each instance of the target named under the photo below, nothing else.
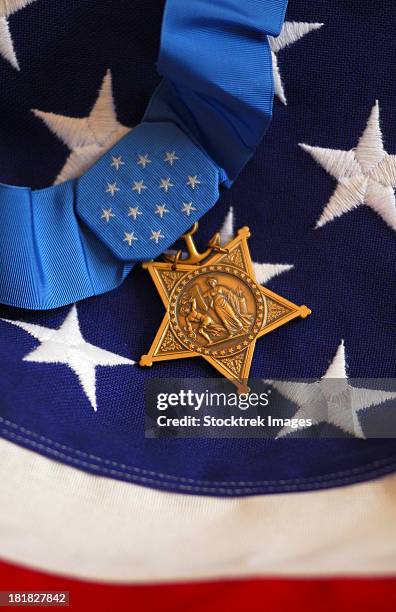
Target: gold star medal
(215, 308)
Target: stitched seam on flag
(181, 478)
(182, 487)
(345, 475)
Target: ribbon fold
(81, 238)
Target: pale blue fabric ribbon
(81, 238)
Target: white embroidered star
(68, 347)
(107, 214)
(88, 138)
(166, 184)
(134, 212)
(193, 181)
(161, 210)
(331, 400)
(144, 160)
(7, 8)
(129, 237)
(112, 189)
(117, 162)
(170, 157)
(188, 208)
(366, 175)
(138, 186)
(264, 272)
(156, 236)
(291, 32)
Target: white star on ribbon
(66, 346)
(161, 210)
(193, 181)
(366, 175)
(138, 186)
(7, 8)
(332, 400)
(112, 189)
(134, 212)
(166, 184)
(143, 160)
(188, 208)
(263, 271)
(156, 236)
(129, 237)
(291, 32)
(170, 157)
(88, 138)
(107, 214)
(117, 162)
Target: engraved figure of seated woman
(229, 306)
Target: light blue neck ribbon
(81, 238)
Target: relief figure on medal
(217, 309)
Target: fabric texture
(49, 257)
(323, 595)
(226, 105)
(81, 492)
(69, 389)
(187, 186)
(120, 532)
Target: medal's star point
(143, 160)
(170, 157)
(166, 184)
(134, 212)
(366, 175)
(88, 138)
(139, 186)
(107, 214)
(67, 346)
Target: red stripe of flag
(280, 595)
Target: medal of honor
(215, 308)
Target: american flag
(86, 502)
